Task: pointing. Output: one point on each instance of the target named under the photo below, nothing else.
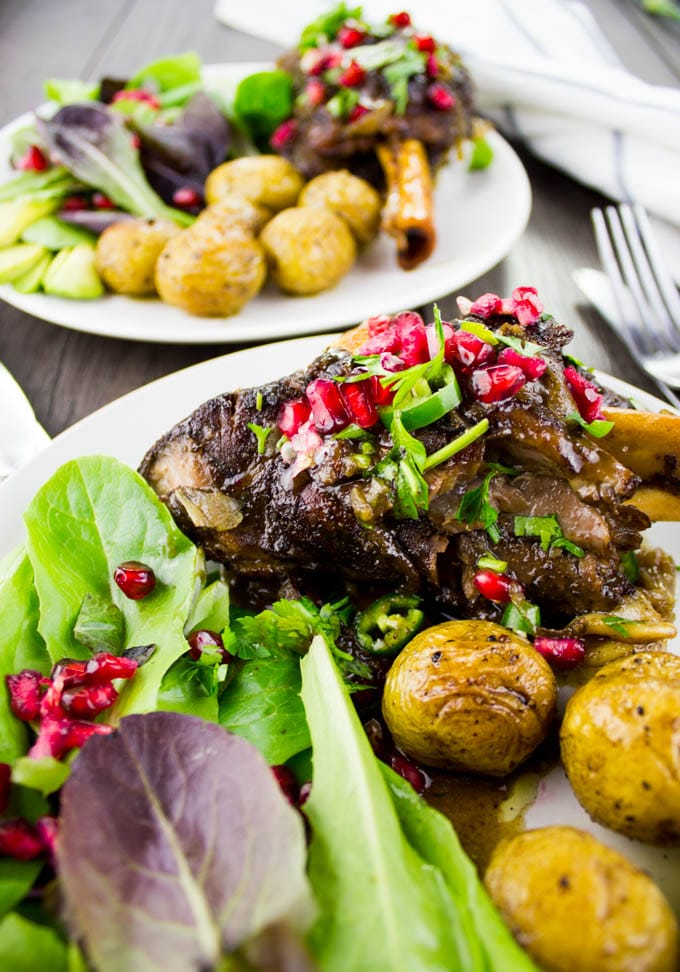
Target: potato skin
(308, 249)
(126, 254)
(208, 274)
(620, 745)
(234, 214)
(267, 180)
(348, 196)
(470, 696)
(573, 903)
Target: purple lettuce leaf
(176, 847)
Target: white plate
(479, 216)
(127, 427)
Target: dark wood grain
(68, 375)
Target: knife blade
(21, 435)
(595, 286)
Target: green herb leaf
(482, 155)
(16, 880)
(190, 688)
(522, 616)
(528, 348)
(26, 946)
(481, 331)
(341, 104)
(352, 432)
(617, 624)
(372, 57)
(399, 73)
(549, 532)
(597, 428)
(630, 565)
(263, 100)
(261, 433)
(476, 510)
(325, 27)
(457, 445)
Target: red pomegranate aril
(388, 340)
(357, 112)
(424, 43)
(588, 399)
(18, 839)
(100, 201)
(292, 415)
(285, 133)
(74, 204)
(401, 19)
(467, 350)
(561, 653)
(497, 383)
(33, 160)
(59, 735)
(104, 666)
(378, 324)
(186, 197)
(47, 830)
(440, 97)
(287, 780)
(350, 36)
(359, 403)
(135, 141)
(352, 76)
(432, 66)
(409, 771)
(88, 701)
(206, 639)
(496, 587)
(328, 411)
(25, 693)
(533, 368)
(5, 785)
(381, 396)
(315, 92)
(68, 672)
(487, 305)
(136, 580)
(413, 337)
(526, 306)
(137, 94)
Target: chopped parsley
(352, 431)
(630, 565)
(261, 433)
(341, 104)
(399, 73)
(326, 27)
(617, 624)
(549, 532)
(522, 616)
(528, 348)
(598, 428)
(476, 508)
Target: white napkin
(544, 72)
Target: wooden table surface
(67, 374)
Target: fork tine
(661, 322)
(629, 332)
(659, 266)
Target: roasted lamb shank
(465, 461)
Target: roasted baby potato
(351, 198)
(619, 744)
(470, 696)
(234, 213)
(573, 903)
(126, 254)
(308, 249)
(209, 274)
(267, 180)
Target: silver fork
(646, 297)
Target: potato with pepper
(348, 196)
(620, 745)
(470, 696)
(308, 249)
(127, 252)
(573, 903)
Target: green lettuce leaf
(26, 946)
(16, 880)
(166, 73)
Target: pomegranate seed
(409, 771)
(285, 133)
(526, 306)
(533, 368)
(105, 666)
(307, 440)
(58, 735)
(390, 362)
(467, 349)
(204, 638)
(432, 66)
(401, 20)
(413, 337)
(5, 785)
(25, 693)
(315, 92)
(388, 340)
(313, 61)
(305, 793)
(137, 94)
(350, 36)
(33, 160)
(424, 43)
(378, 324)
(135, 579)
(287, 780)
(186, 197)
(440, 97)
(587, 397)
(495, 587)
(292, 415)
(497, 383)
(357, 112)
(135, 141)
(380, 395)
(507, 307)
(562, 653)
(352, 76)
(486, 306)
(68, 672)
(328, 411)
(74, 204)
(19, 839)
(88, 701)
(100, 201)
(359, 404)
(47, 830)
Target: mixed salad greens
(164, 841)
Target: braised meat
(433, 456)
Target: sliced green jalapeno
(389, 623)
